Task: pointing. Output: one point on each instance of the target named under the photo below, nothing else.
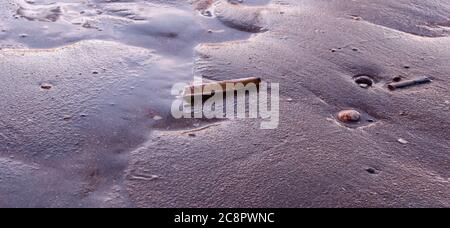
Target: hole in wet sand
(372, 171)
(207, 13)
(364, 81)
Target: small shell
(349, 116)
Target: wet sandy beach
(85, 103)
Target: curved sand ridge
(92, 128)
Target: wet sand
(85, 118)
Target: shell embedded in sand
(402, 141)
(349, 116)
